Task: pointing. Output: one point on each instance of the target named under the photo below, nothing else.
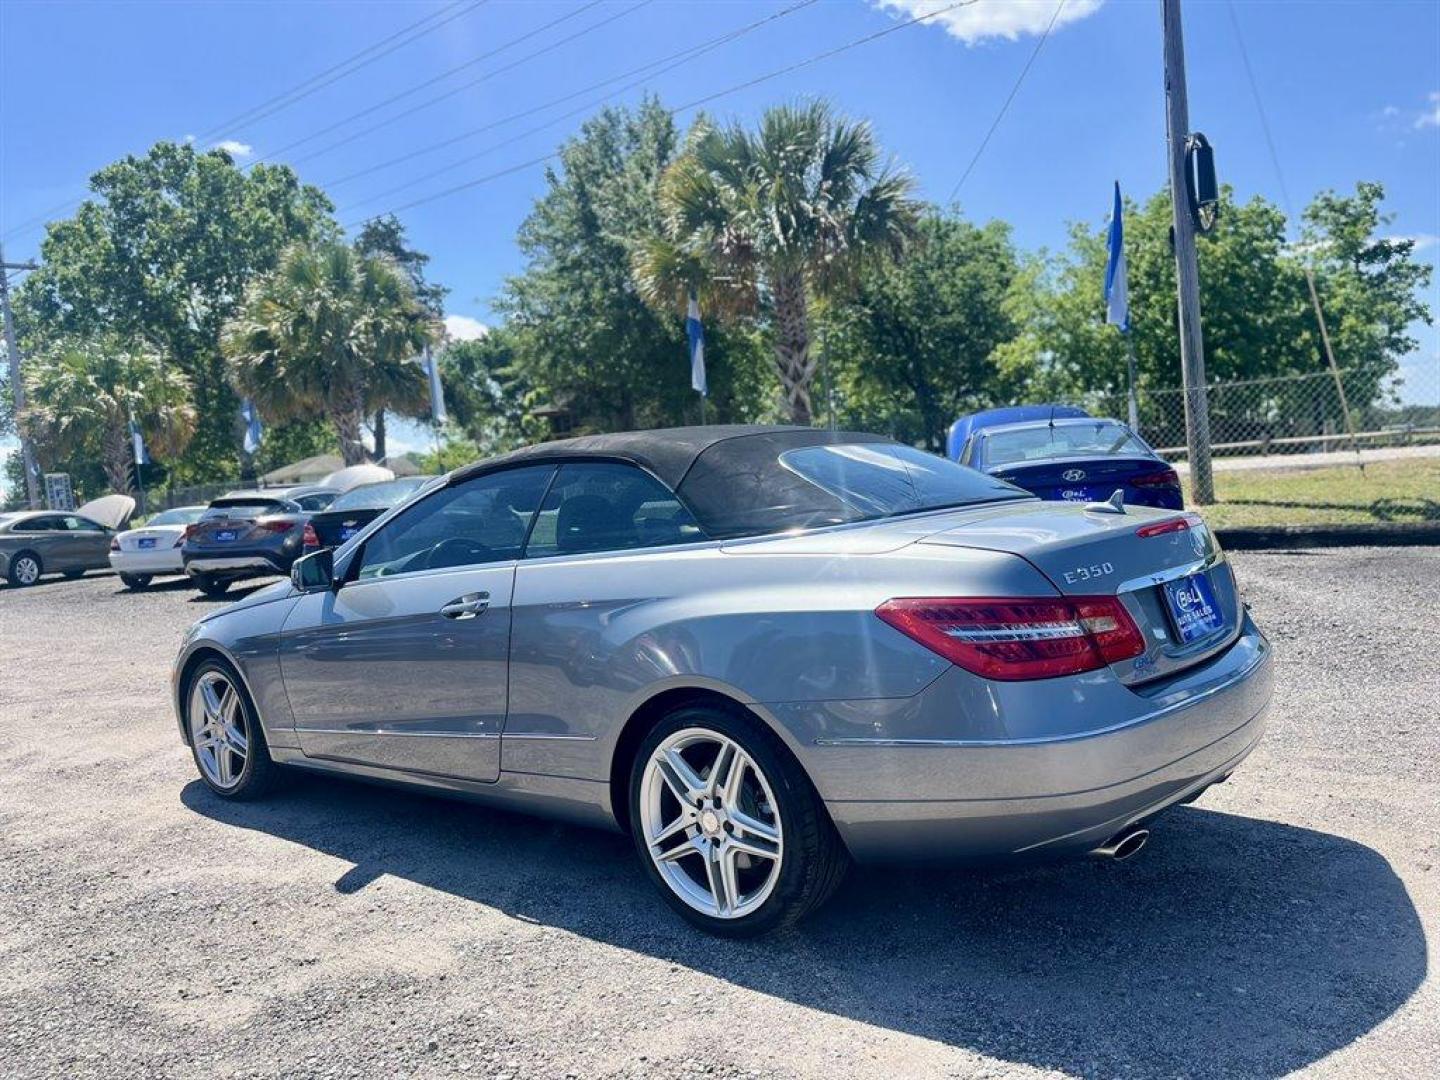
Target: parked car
(356, 508)
(1051, 452)
(246, 534)
(38, 542)
(154, 548)
(760, 651)
(309, 497)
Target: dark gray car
(246, 534)
(51, 542)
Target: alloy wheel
(218, 729)
(711, 823)
(27, 570)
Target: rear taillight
(312, 538)
(1019, 638)
(1162, 478)
(275, 526)
(190, 531)
(180, 540)
(115, 544)
(1173, 525)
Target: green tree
(330, 331)
(385, 236)
(911, 347)
(583, 341)
(82, 396)
(160, 258)
(1258, 320)
(770, 220)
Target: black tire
(18, 573)
(135, 581)
(260, 775)
(212, 587)
(814, 861)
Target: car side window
(79, 524)
(39, 524)
(313, 504)
(483, 520)
(608, 507)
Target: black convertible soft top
(670, 453)
(729, 475)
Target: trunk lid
(1082, 479)
(1087, 553)
(224, 525)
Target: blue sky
(1352, 91)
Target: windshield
(181, 515)
(378, 496)
(1042, 442)
(883, 479)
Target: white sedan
(154, 548)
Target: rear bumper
(239, 565)
(153, 561)
(1061, 792)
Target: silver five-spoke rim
(711, 823)
(217, 729)
(27, 570)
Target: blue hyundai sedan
(1058, 452)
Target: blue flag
(696, 334)
(137, 443)
(431, 364)
(1117, 293)
(253, 427)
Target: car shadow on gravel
(1231, 946)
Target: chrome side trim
(546, 735)
(399, 734)
(1075, 736)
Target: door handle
(467, 606)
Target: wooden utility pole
(1187, 269)
(17, 386)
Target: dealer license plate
(1193, 608)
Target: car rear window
(223, 507)
(1101, 438)
(180, 516)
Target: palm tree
(772, 220)
(333, 331)
(83, 395)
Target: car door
(404, 665)
(89, 543)
(45, 535)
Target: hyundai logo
(1072, 475)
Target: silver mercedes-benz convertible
(761, 651)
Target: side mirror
(314, 572)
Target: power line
(683, 55)
(1290, 215)
(445, 75)
(659, 67)
(445, 15)
(1004, 108)
(817, 58)
(363, 58)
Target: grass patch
(1407, 490)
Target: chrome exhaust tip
(1123, 845)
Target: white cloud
(1422, 241)
(464, 328)
(984, 19)
(1430, 115)
(235, 148)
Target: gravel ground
(1283, 923)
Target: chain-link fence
(1293, 414)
